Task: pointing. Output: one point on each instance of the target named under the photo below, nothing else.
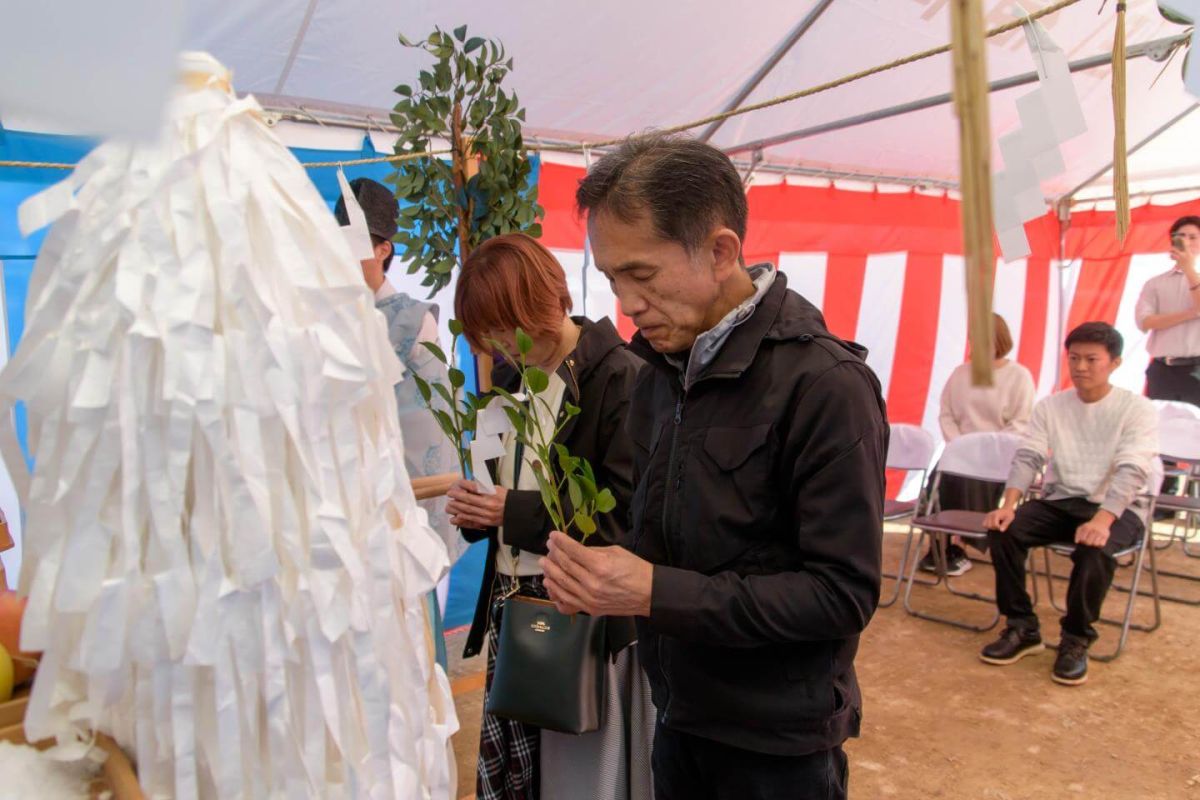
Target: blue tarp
(17, 254)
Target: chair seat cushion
(897, 509)
(1174, 502)
(959, 523)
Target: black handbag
(550, 669)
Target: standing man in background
(1169, 310)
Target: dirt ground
(939, 723)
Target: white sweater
(1103, 451)
(1003, 407)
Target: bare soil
(939, 723)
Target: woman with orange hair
(512, 282)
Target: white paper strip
(231, 566)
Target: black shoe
(957, 562)
(1013, 645)
(927, 563)
(1070, 668)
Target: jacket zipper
(673, 482)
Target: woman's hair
(1003, 337)
(511, 282)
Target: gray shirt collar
(709, 343)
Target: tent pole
(765, 68)
(1171, 123)
(1156, 49)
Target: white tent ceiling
(597, 70)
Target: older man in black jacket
(759, 449)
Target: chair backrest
(910, 448)
(1179, 438)
(1174, 409)
(982, 456)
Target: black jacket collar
(781, 316)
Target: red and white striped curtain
(886, 269)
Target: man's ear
(383, 250)
(726, 252)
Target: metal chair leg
(939, 560)
(1127, 624)
(905, 554)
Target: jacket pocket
(727, 507)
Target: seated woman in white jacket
(1003, 407)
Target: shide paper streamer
(225, 560)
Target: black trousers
(688, 767)
(1180, 382)
(1041, 522)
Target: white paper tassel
(225, 560)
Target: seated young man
(1104, 441)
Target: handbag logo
(540, 625)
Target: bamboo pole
(433, 485)
(1120, 169)
(968, 43)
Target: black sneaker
(1071, 666)
(957, 562)
(927, 563)
(1013, 645)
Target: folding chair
(1138, 551)
(1179, 441)
(978, 456)
(1171, 411)
(910, 449)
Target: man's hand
(609, 581)
(1186, 262)
(373, 273)
(999, 520)
(1095, 532)
(470, 508)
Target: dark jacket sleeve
(833, 466)
(527, 525)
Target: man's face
(1190, 234)
(666, 291)
(1091, 365)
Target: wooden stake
(968, 45)
(1120, 169)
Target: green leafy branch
(553, 465)
(448, 209)
(459, 411)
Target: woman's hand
(470, 508)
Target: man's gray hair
(685, 186)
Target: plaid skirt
(509, 752)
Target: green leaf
(423, 388)
(605, 502)
(524, 343)
(456, 327)
(404, 40)
(564, 456)
(404, 90)
(473, 44)
(585, 524)
(537, 380)
(460, 33)
(549, 498)
(438, 352)
(444, 393)
(571, 409)
(515, 417)
(446, 424)
(457, 378)
(575, 493)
